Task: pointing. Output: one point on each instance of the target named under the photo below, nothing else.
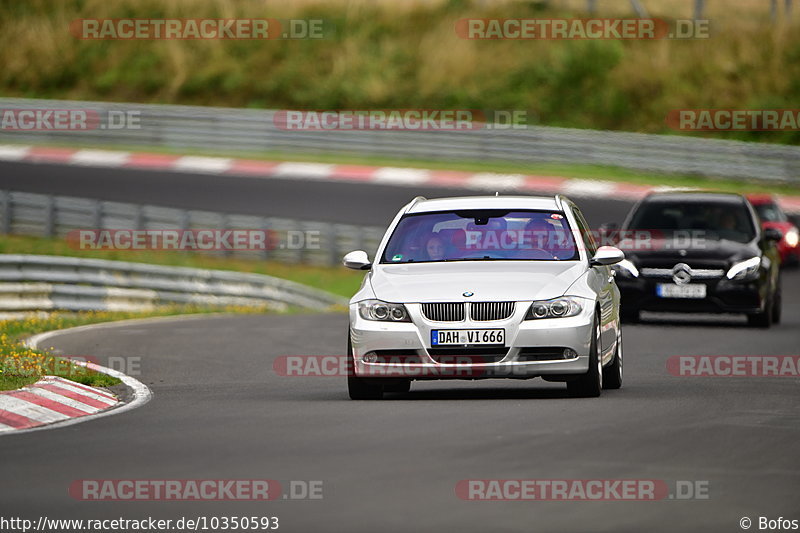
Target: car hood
(487, 280)
(721, 251)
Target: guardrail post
(138, 218)
(5, 205)
(299, 256)
(333, 245)
(97, 214)
(226, 222)
(49, 215)
(269, 239)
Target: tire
(360, 388)
(777, 304)
(590, 384)
(762, 319)
(612, 374)
(401, 386)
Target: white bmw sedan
(486, 287)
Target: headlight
(383, 311)
(626, 268)
(745, 269)
(792, 238)
(556, 308)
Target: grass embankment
(407, 55)
(20, 365)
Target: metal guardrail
(249, 130)
(40, 282)
(296, 241)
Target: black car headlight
(745, 270)
(383, 311)
(556, 308)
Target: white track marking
(303, 170)
(10, 152)
(401, 176)
(69, 402)
(99, 158)
(208, 165)
(93, 395)
(30, 410)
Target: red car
(772, 216)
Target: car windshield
(712, 220)
(481, 235)
(770, 213)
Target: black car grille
(486, 311)
(478, 311)
(467, 356)
(444, 312)
(398, 357)
(544, 353)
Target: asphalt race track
(355, 203)
(220, 411)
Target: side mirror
(357, 260)
(773, 234)
(607, 255)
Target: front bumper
(532, 347)
(722, 296)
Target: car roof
(695, 196)
(761, 199)
(485, 202)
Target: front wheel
(612, 374)
(590, 384)
(776, 306)
(360, 388)
(762, 319)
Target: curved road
(221, 412)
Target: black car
(698, 252)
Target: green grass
(336, 280)
(21, 365)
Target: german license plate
(670, 290)
(467, 337)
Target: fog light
(370, 358)
(569, 353)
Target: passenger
(435, 248)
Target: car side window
(586, 234)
